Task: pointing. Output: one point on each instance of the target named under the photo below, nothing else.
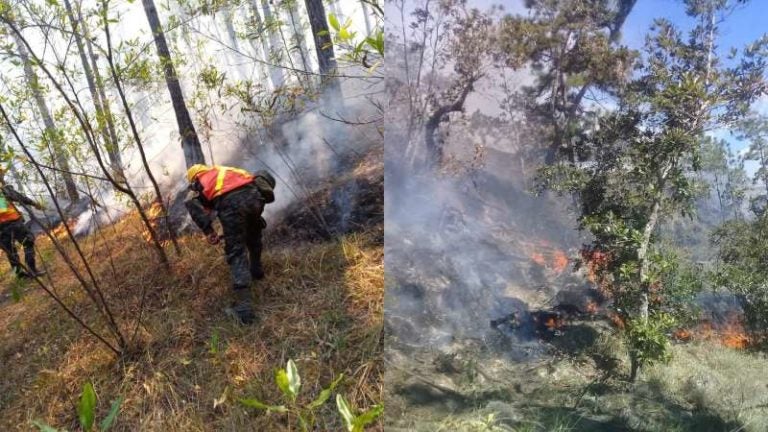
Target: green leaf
(368, 417)
(294, 379)
(213, 344)
(86, 409)
(334, 22)
(325, 394)
(106, 423)
(253, 403)
(320, 400)
(283, 383)
(346, 412)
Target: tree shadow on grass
(661, 415)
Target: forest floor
(578, 386)
(320, 305)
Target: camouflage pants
(16, 231)
(240, 216)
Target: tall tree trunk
(326, 58)
(51, 132)
(614, 32)
(278, 77)
(105, 105)
(642, 252)
(298, 36)
(193, 152)
(108, 135)
(434, 149)
(272, 72)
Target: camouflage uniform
(16, 231)
(239, 212)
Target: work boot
(257, 271)
(242, 310)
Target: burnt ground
(342, 205)
(460, 254)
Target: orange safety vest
(8, 212)
(221, 179)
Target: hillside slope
(320, 304)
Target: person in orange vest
(13, 230)
(238, 198)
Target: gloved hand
(213, 238)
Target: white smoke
(300, 149)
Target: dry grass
(321, 305)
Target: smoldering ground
(463, 250)
(322, 140)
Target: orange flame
(539, 259)
(560, 261)
(551, 323)
(596, 260)
(591, 307)
(154, 214)
(682, 335)
(545, 255)
(731, 333)
(60, 231)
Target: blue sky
(747, 23)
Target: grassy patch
(320, 304)
(705, 387)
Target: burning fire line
(731, 333)
(155, 216)
(60, 231)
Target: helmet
(194, 171)
(266, 176)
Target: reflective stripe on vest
(221, 179)
(8, 212)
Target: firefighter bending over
(13, 230)
(238, 197)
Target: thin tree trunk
(434, 149)
(51, 132)
(262, 47)
(105, 105)
(269, 22)
(614, 27)
(101, 305)
(137, 139)
(642, 252)
(298, 36)
(89, 134)
(326, 58)
(193, 152)
(110, 144)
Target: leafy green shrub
(647, 341)
(288, 381)
(86, 413)
(353, 422)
